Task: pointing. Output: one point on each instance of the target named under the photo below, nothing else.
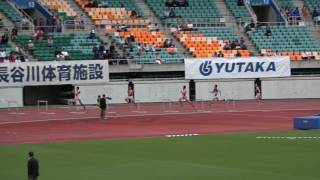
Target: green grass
(238, 156)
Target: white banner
(252, 67)
(54, 73)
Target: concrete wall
(159, 91)
(290, 88)
(117, 91)
(230, 89)
(11, 94)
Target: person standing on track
(184, 96)
(33, 167)
(103, 106)
(77, 98)
(216, 93)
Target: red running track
(150, 120)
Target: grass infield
(223, 157)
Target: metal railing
(75, 25)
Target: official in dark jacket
(33, 167)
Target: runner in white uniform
(216, 93)
(130, 97)
(184, 96)
(77, 98)
(258, 92)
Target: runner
(258, 92)
(77, 98)
(216, 93)
(130, 97)
(184, 97)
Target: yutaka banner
(54, 73)
(252, 67)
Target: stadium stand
(241, 13)
(60, 8)
(147, 47)
(78, 45)
(286, 4)
(198, 11)
(314, 8)
(8, 11)
(9, 54)
(291, 41)
(209, 42)
(114, 12)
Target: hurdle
(137, 104)
(42, 102)
(166, 102)
(15, 106)
(201, 102)
(230, 100)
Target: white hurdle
(166, 103)
(42, 102)
(201, 102)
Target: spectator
(220, 54)
(172, 13)
(12, 57)
(235, 44)
(169, 3)
(158, 59)
(5, 37)
(304, 12)
(165, 43)
(30, 47)
(146, 48)
(3, 54)
(101, 49)
(243, 46)
(22, 58)
(166, 13)
(181, 3)
(153, 27)
(315, 13)
(82, 18)
(18, 49)
(57, 52)
(240, 3)
(14, 33)
(140, 49)
(24, 23)
(92, 34)
(268, 31)
(65, 54)
(215, 54)
(95, 51)
(121, 28)
(238, 54)
(50, 41)
(38, 35)
(296, 13)
(226, 46)
(133, 14)
(172, 50)
(153, 48)
(249, 27)
(103, 4)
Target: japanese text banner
(54, 73)
(252, 67)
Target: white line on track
(155, 114)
